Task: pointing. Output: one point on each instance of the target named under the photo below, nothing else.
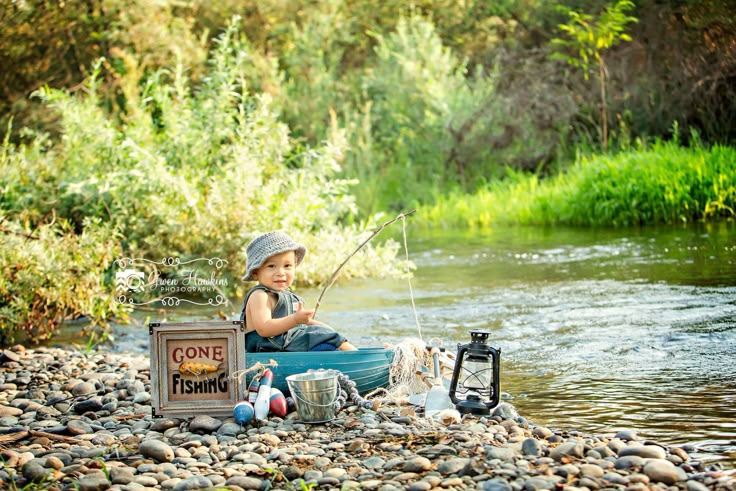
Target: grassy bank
(665, 183)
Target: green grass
(666, 183)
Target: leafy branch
(589, 38)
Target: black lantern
(475, 377)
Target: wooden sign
(194, 367)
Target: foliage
(328, 68)
(416, 119)
(417, 92)
(425, 124)
(589, 38)
(680, 67)
(666, 183)
(194, 172)
(55, 44)
(51, 274)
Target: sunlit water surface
(599, 330)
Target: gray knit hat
(267, 245)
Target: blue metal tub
(367, 367)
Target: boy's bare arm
(259, 314)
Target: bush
(52, 274)
(193, 172)
(426, 123)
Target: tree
(589, 38)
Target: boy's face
(277, 272)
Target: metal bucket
(314, 394)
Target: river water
(599, 330)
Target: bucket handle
(315, 404)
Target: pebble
(417, 464)
(156, 450)
(591, 470)
(78, 427)
(644, 451)
(9, 411)
(452, 466)
(627, 435)
(204, 424)
(660, 470)
(92, 428)
(33, 471)
(573, 449)
(500, 453)
(532, 447)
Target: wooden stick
(52, 436)
(22, 234)
(14, 437)
(334, 275)
(20, 435)
(129, 416)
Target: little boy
(275, 317)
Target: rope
(408, 276)
(257, 367)
(346, 391)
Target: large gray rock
(204, 424)
(572, 449)
(501, 453)
(643, 451)
(531, 446)
(156, 450)
(660, 470)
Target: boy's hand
(302, 315)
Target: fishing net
(410, 371)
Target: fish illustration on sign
(198, 368)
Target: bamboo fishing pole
(334, 275)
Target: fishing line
(333, 278)
(408, 276)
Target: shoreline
(76, 420)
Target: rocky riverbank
(74, 420)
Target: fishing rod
(333, 278)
